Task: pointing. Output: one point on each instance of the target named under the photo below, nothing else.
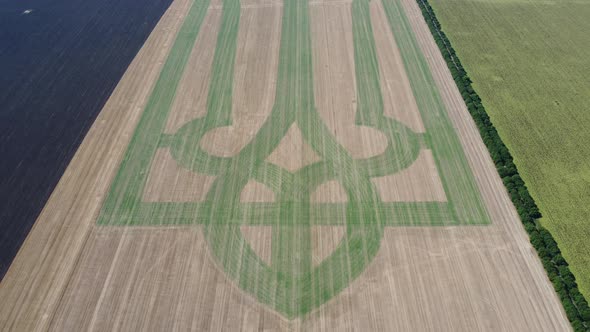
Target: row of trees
(574, 303)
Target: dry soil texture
(282, 165)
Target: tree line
(564, 282)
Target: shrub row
(574, 303)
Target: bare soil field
(270, 165)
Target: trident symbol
(291, 284)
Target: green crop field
(530, 62)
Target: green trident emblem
(290, 283)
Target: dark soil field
(59, 63)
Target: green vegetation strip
(134, 168)
(563, 280)
(460, 188)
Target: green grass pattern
(291, 284)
